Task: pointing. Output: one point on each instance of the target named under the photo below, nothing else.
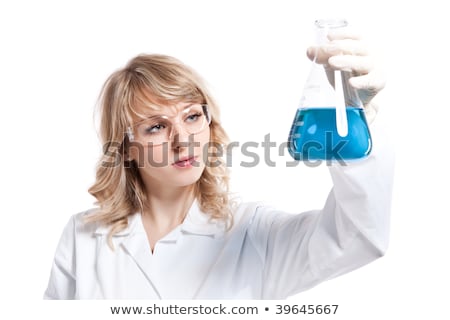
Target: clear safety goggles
(158, 129)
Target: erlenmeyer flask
(330, 123)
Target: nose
(180, 138)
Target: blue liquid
(314, 135)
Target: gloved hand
(346, 51)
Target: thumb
(322, 53)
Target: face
(167, 154)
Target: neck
(167, 207)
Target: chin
(187, 179)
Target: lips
(185, 162)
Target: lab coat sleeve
(352, 229)
(62, 284)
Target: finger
(337, 47)
(372, 83)
(350, 46)
(322, 53)
(356, 64)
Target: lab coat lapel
(180, 269)
(183, 259)
(138, 248)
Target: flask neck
(323, 27)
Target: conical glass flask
(330, 123)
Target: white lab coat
(267, 254)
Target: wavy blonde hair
(150, 80)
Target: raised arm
(352, 229)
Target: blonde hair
(150, 80)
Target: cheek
(204, 138)
(212, 152)
(150, 157)
(202, 143)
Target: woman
(165, 226)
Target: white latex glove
(347, 52)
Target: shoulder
(257, 210)
(259, 218)
(256, 214)
(78, 225)
(245, 211)
(254, 222)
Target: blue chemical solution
(314, 135)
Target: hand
(345, 51)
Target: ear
(130, 151)
(125, 149)
(128, 161)
(126, 157)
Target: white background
(55, 56)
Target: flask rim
(331, 23)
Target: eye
(193, 117)
(154, 128)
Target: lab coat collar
(200, 223)
(133, 221)
(195, 223)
